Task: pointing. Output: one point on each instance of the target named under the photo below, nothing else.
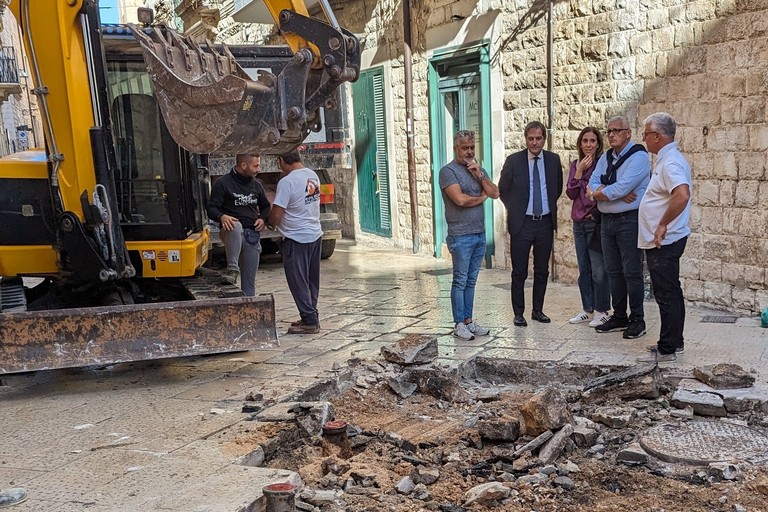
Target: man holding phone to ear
(465, 187)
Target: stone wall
(703, 61)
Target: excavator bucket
(211, 105)
(42, 340)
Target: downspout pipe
(408, 72)
(550, 104)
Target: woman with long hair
(593, 281)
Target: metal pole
(408, 71)
(550, 107)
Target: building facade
(492, 66)
(21, 123)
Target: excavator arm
(211, 105)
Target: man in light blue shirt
(618, 184)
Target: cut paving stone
(633, 455)
(310, 415)
(551, 451)
(584, 437)
(724, 376)
(614, 417)
(441, 384)
(402, 386)
(546, 410)
(503, 429)
(702, 402)
(412, 349)
(640, 381)
(235, 488)
(754, 398)
(704, 442)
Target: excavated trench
(514, 435)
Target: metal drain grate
(719, 319)
(507, 286)
(440, 272)
(703, 442)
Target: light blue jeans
(242, 256)
(467, 253)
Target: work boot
(303, 328)
(231, 275)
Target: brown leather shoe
(304, 329)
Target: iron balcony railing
(9, 70)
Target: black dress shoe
(540, 317)
(520, 321)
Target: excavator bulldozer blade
(41, 340)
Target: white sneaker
(478, 329)
(462, 332)
(580, 318)
(599, 319)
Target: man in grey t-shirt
(465, 187)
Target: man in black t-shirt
(239, 203)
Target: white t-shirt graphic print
(299, 194)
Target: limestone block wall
(703, 61)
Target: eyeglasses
(616, 131)
(645, 134)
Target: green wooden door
(371, 152)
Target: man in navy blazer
(531, 182)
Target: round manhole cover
(703, 442)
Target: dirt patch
(393, 438)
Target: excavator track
(12, 297)
(219, 320)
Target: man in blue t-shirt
(465, 187)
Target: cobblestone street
(139, 436)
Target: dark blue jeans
(664, 267)
(467, 252)
(593, 283)
(623, 263)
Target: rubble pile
(516, 435)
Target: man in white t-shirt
(296, 214)
(663, 232)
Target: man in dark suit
(531, 182)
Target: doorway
(459, 100)
(371, 152)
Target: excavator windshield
(160, 187)
(140, 177)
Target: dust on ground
(396, 435)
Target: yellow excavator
(103, 233)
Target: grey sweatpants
(242, 256)
(302, 271)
